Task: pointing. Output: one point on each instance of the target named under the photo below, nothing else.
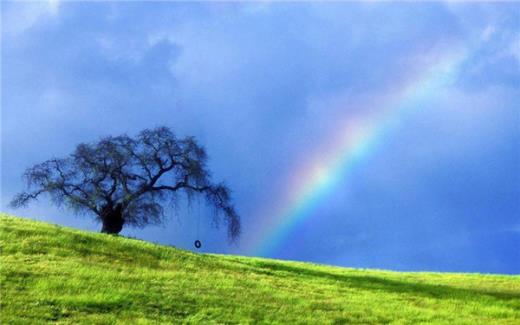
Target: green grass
(60, 275)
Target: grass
(53, 274)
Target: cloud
(488, 32)
(19, 17)
(491, 30)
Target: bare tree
(126, 181)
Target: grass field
(60, 275)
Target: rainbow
(353, 142)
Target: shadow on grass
(392, 286)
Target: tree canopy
(127, 181)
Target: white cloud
(54, 6)
(487, 33)
(21, 16)
(515, 48)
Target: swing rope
(198, 217)
(197, 242)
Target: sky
(371, 135)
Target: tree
(126, 181)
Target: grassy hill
(60, 275)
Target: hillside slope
(60, 275)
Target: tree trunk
(113, 220)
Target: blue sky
(263, 86)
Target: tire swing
(197, 243)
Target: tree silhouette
(126, 181)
